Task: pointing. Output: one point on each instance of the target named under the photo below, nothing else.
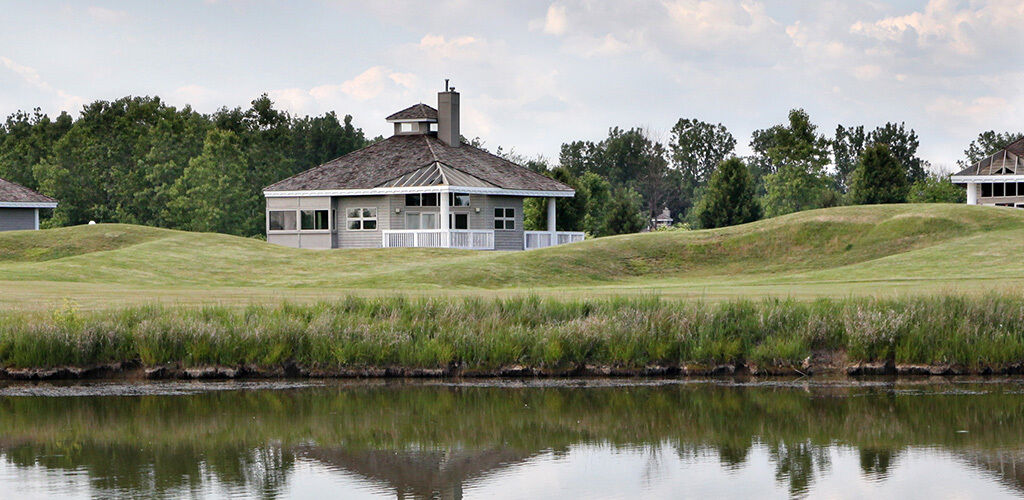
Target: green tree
(847, 147)
(902, 145)
(794, 156)
(212, 195)
(697, 148)
(729, 198)
(625, 212)
(878, 178)
(986, 144)
(26, 140)
(936, 188)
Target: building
(421, 187)
(664, 219)
(997, 180)
(19, 206)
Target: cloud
(65, 100)
(105, 15)
(556, 21)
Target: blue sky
(534, 74)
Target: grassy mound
(809, 254)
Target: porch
(471, 239)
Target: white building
(997, 180)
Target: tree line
(625, 180)
(138, 160)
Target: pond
(514, 439)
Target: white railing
(543, 239)
(439, 238)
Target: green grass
(890, 250)
(557, 335)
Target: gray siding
(297, 238)
(361, 239)
(14, 219)
(506, 239)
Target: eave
(28, 204)
(421, 189)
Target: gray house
(996, 180)
(421, 187)
(19, 206)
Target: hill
(838, 251)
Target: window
(1011, 189)
(417, 220)
(421, 200)
(504, 218)
(986, 190)
(362, 219)
(406, 127)
(315, 219)
(458, 221)
(282, 220)
(458, 200)
(997, 189)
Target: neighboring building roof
(1006, 161)
(16, 194)
(415, 112)
(390, 160)
(665, 215)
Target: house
(664, 219)
(421, 187)
(19, 206)
(996, 180)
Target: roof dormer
(416, 119)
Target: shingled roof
(16, 193)
(415, 112)
(399, 155)
(1006, 159)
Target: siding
(361, 239)
(504, 239)
(299, 239)
(14, 219)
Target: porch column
(37, 219)
(446, 237)
(972, 193)
(552, 228)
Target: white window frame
(505, 218)
(451, 199)
(451, 220)
(362, 219)
(298, 222)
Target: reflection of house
(421, 187)
(437, 474)
(996, 180)
(1006, 465)
(19, 206)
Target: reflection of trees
(164, 471)
(176, 443)
(1006, 465)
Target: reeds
(475, 333)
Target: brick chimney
(448, 116)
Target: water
(513, 439)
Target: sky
(535, 74)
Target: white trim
(413, 120)
(27, 204)
(424, 189)
(37, 219)
(986, 179)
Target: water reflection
(452, 441)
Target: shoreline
(134, 371)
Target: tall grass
(482, 334)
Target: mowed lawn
(847, 251)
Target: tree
(625, 212)
(794, 155)
(986, 144)
(879, 178)
(847, 147)
(730, 197)
(27, 139)
(902, 145)
(212, 195)
(936, 188)
(698, 148)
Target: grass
(558, 335)
(886, 250)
